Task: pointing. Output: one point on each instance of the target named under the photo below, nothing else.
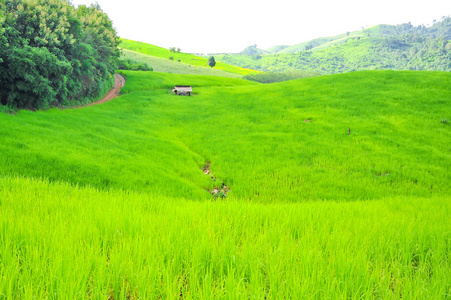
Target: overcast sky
(209, 26)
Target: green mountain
(440, 29)
(382, 47)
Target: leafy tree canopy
(54, 54)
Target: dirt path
(119, 82)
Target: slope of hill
(276, 49)
(439, 29)
(330, 187)
(165, 65)
(185, 58)
(312, 44)
(401, 47)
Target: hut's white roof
(183, 88)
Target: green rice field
(332, 187)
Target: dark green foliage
(54, 54)
(35, 75)
(133, 65)
(270, 77)
(211, 61)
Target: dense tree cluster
(52, 53)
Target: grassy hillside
(316, 43)
(276, 49)
(170, 66)
(324, 42)
(182, 57)
(439, 29)
(339, 188)
(355, 54)
(382, 47)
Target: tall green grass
(59, 241)
(280, 142)
(111, 201)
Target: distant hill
(436, 30)
(276, 49)
(174, 57)
(253, 50)
(396, 47)
(316, 43)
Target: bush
(130, 64)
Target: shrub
(129, 64)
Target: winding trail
(119, 82)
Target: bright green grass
(183, 57)
(170, 66)
(58, 241)
(254, 135)
(110, 200)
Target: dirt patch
(119, 82)
(206, 168)
(220, 192)
(216, 192)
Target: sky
(210, 26)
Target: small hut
(183, 90)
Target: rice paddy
(339, 188)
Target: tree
(52, 53)
(251, 50)
(211, 61)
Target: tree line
(52, 53)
